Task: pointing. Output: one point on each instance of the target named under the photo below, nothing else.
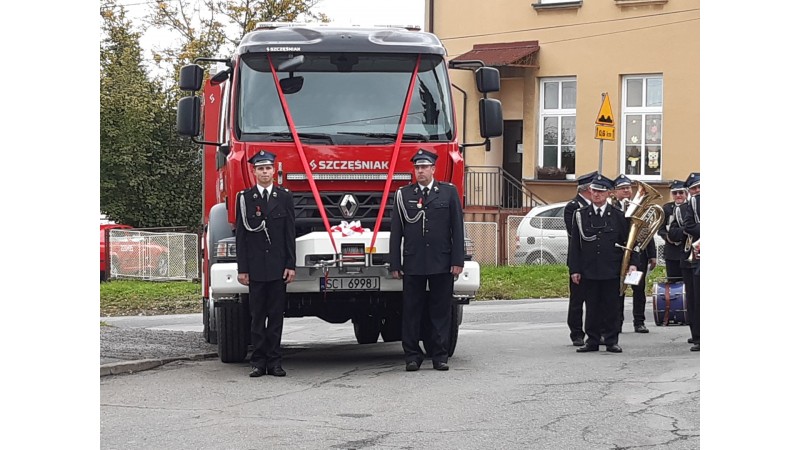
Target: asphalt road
(515, 382)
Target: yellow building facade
(556, 60)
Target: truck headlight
(225, 250)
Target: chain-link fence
(151, 255)
(484, 241)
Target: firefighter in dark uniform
(688, 267)
(595, 259)
(265, 243)
(692, 229)
(576, 298)
(673, 242)
(645, 260)
(428, 225)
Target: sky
(345, 12)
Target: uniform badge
(255, 194)
(258, 211)
(419, 203)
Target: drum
(669, 303)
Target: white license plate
(350, 284)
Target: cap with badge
(601, 183)
(424, 158)
(677, 185)
(262, 158)
(693, 180)
(622, 181)
(586, 178)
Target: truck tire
(392, 328)
(233, 326)
(457, 312)
(367, 329)
(209, 335)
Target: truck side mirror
(490, 115)
(487, 79)
(191, 78)
(189, 116)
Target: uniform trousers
(687, 274)
(267, 305)
(575, 310)
(639, 300)
(438, 304)
(694, 325)
(602, 311)
(673, 267)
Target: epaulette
(446, 183)
(283, 188)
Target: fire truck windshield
(355, 98)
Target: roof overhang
(499, 54)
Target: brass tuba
(646, 216)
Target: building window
(557, 123)
(642, 111)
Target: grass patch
(134, 297)
(147, 298)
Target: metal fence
(150, 255)
(484, 241)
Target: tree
(148, 178)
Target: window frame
(643, 111)
(560, 113)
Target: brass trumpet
(646, 216)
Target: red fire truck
(344, 109)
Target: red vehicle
(130, 254)
(344, 109)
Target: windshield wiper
(414, 137)
(285, 136)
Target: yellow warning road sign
(605, 116)
(604, 133)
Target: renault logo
(348, 206)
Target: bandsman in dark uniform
(688, 266)
(265, 244)
(675, 241)
(576, 298)
(599, 232)
(428, 227)
(692, 230)
(623, 191)
(645, 260)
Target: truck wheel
(233, 326)
(392, 328)
(209, 335)
(367, 329)
(457, 313)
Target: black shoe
(577, 342)
(640, 328)
(257, 372)
(695, 348)
(690, 340)
(614, 348)
(277, 371)
(440, 366)
(412, 366)
(588, 348)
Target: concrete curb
(126, 367)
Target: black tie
(598, 212)
(266, 195)
(425, 192)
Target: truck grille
(308, 218)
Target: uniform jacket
(693, 218)
(433, 243)
(680, 225)
(265, 259)
(592, 250)
(569, 211)
(673, 236)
